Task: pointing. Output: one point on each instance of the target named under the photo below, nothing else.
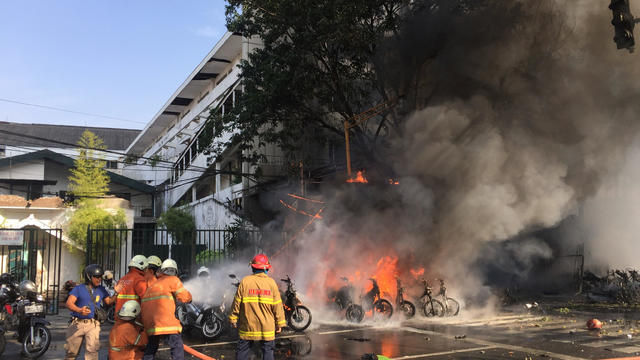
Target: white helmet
(139, 262)
(203, 271)
(129, 311)
(169, 267)
(108, 275)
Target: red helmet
(594, 324)
(261, 262)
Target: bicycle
(430, 306)
(451, 305)
(406, 307)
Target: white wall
(30, 170)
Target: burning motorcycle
(24, 313)
(372, 300)
(343, 300)
(197, 316)
(406, 307)
(297, 315)
(451, 305)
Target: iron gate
(34, 254)
(113, 248)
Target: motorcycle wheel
(408, 309)
(433, 308)
(41, 343)
(300, 319)
(452, 307)
(383, 308)
(354, 313)
(111, 315)
(211, 327)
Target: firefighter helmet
(203, 271)
(260, 262)
(154, 261)
(139, 262)
(129, 311)
(594, 324)
(169, 267)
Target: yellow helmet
(154, 260)
(139, 262)
(129, 311)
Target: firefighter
(127, 338)
(152, 269)
(133, 285)
(159, 308)
(203, 272)
(82, 302)
(257, 310)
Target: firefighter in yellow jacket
(257, 310)
(159, 308)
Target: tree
(317, 68)
(89, 182)
(180, 224)
(89, 179)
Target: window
(111, 164)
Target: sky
(116, 58)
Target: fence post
(88, 246)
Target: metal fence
(113, 248)
(34, 254)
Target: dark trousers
(173, 340)
(244, 346)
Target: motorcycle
(343, 300)
(372, 300)
(406, 307)
(8, 295)
(298, 316)
(25, 315)
(209, 320)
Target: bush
(208, 257)
(180, 224)
(98, 219)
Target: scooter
(298, 316)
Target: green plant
(208, 257)
(154, 160)
(98, 219)
(88, 180)
(180, 224)
(237, 238)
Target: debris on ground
(358, 339)
(459, 337)
(594, 324)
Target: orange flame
(393, 182)
(359, 178)
(417, 273)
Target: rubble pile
(617, 286)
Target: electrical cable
(71, 111)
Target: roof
(208, 70)
(114, 139)
(67, 161)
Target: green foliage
(319, 66)
(209, 257)
(98, 219)
(180, 224)
(237, 238)
(88, 179)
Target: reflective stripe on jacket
(126, 341)
(159, 307)
(134, 285)
(257, 308)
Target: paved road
(508, 336)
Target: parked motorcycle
(372, 300)
(406, 307)
(8, 295)
(298, 316)
(343, 300)
(25, 315)
(197, 316)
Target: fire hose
(197, 354)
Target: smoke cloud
(525, 108)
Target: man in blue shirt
(83, 300)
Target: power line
(71, 111)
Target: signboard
(11, 237)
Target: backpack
(99, 313)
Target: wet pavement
(507, 336)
